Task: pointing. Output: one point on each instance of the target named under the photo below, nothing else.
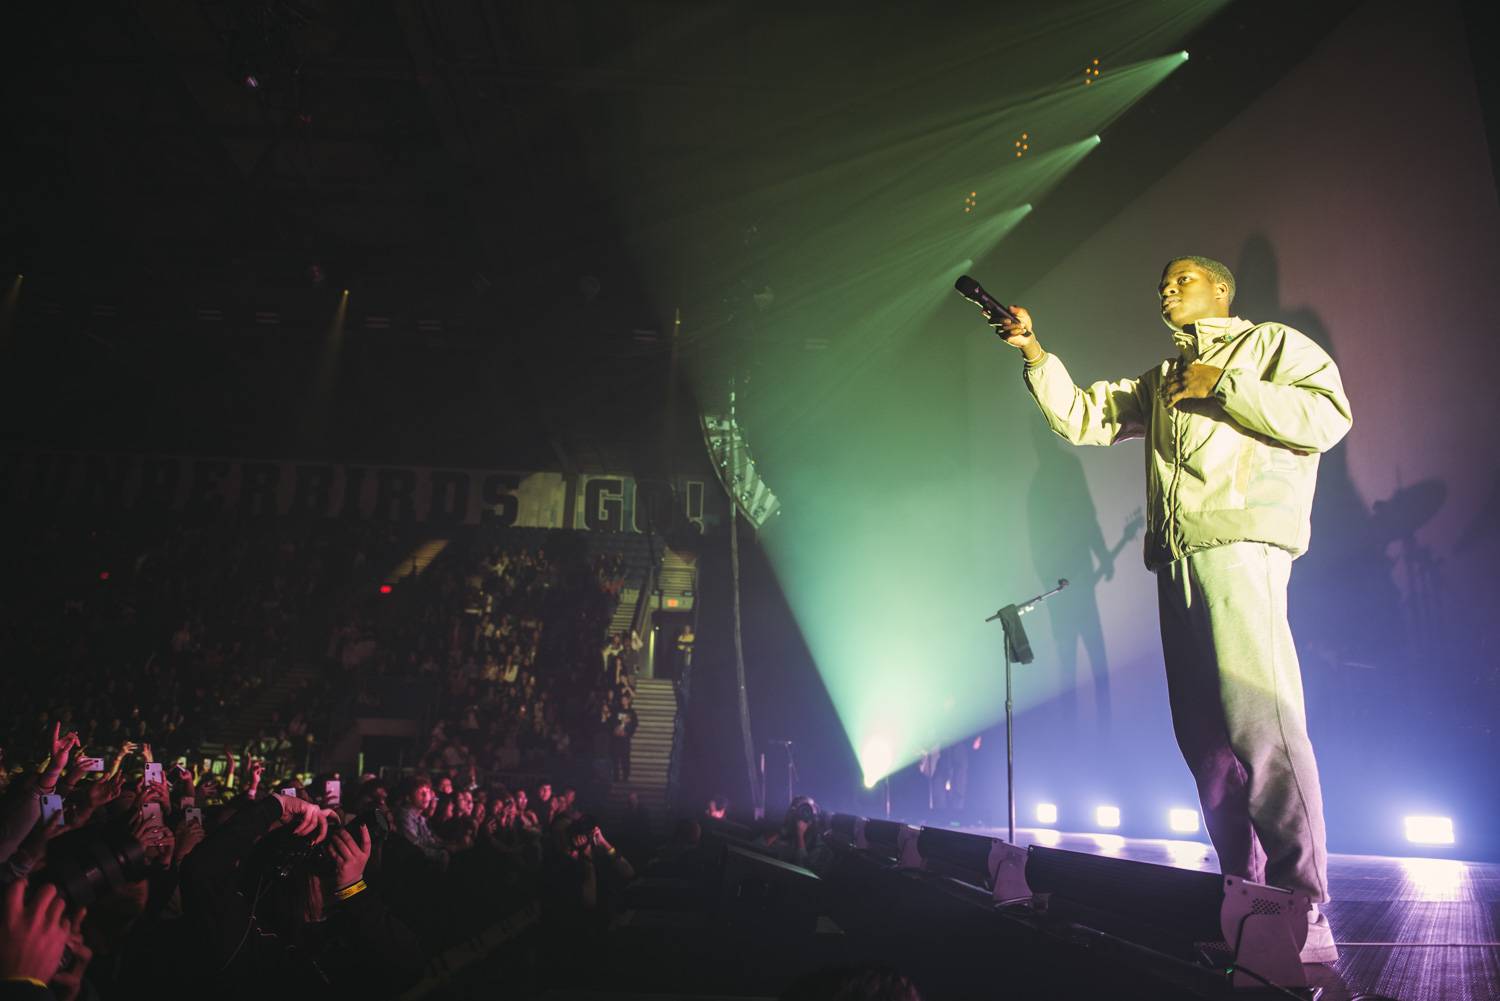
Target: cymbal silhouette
(1407, 510)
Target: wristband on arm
(358, 886)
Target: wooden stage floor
(1414, 929)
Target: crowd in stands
(165, 632)
(509, 638)
(232, 870)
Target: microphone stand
(1017, 651)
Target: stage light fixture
(1091, 72)
(385, 589)
(972, 201)
(1429, 830)
(1046, 813)
(1182, 821)
(1107, 816)
(1023, 144)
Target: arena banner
(618, 503)
(207, 487)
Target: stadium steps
(651, 749)
(418, 560)
(246, 722)
(677, 581)
(630, 597)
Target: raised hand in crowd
(350, 856)
(105, 790)
(127, 748)
(153, 792)
(73, 773)
(67, 982)
(148, 828)
(187, 787)
(229, 768)
(33, 850)
(61, 749)
(36, 930)
(88, 798)
(254, 771)
(600, 843)
(189, 835)
(305, 817)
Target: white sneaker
(1319, 947)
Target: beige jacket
(1237, 467)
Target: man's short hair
(411, 784)
(1217, 270)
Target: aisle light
(1182, 821)
(1429, 830)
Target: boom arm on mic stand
(1017, 651)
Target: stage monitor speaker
(956, 853)
(848, 830)
(893, 840)
(1183, 903)
(1263, 927)
(766, 893)
(996, 865)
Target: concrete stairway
(418, 560)
(256, 714)
(678, 580)
(656, 705)
(630, 597)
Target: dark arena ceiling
(477, 174)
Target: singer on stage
(1234, 425)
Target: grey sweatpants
(1236, 695)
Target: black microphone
(974, 292)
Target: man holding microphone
(1234, 426)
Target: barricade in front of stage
(952, 910)
(1207, 931)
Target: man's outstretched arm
(1102, 414)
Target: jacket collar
(1198, 338)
